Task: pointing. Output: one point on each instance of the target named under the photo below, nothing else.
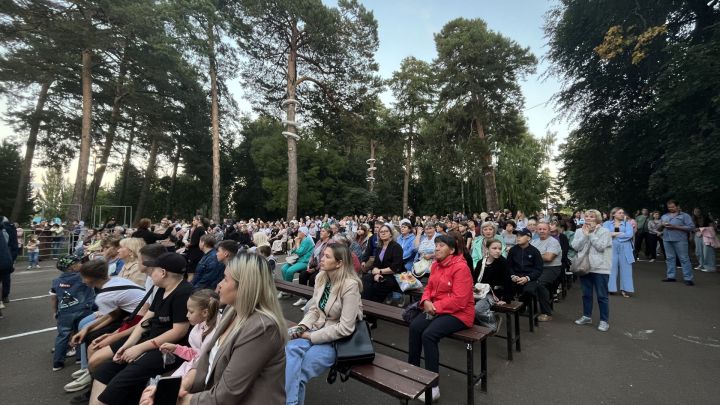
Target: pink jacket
(709, 237)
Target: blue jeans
(678, 249)
(709, 255)
(598, 283)
(700, 251)
(83, 346)
(33, 258)
(65, 327)
(304, 361)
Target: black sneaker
(82, 399)
(689, 282)
(668, 280)
(58, 366)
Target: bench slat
(508, 307)
(387, 381)
(400, 367)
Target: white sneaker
(304, 307)
(71, 352)
(603, 326)
(706, 270)
(79, 373)
(652, 260)
(435, 395)
(282, 295)
(301, 301)
(2, 305)
(79, 384)
(583, 320)
(698, 267)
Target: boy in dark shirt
(71, 300)
(526, 264)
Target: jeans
(33, 258)
(65, 327)
(304, 361)
(678, 249)
(83, 346)
(699, 251)
(425, 335)
(599, 283)
(544, 291)
(5, 279)
(288, 271)
(709, 256)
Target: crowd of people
(197, 300)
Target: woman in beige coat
(332, 315)
(244, 363)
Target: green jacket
(305, 250)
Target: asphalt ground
(663, 347)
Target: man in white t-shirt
(551, 253)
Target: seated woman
(304, 251)
(129, 253)
(488, 230)
(497, 271)
(335, 307)
(448, 305)
(136, 358)
(244, 363)
(380, 281)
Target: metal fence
(50, 244)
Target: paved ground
(663, 347)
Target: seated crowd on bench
(200, 301)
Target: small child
(71, 300)
(33, 250)
(266, 252)
(202, 313)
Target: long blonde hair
(260, 239)
(133, 245)
(256, 290)
(341, 252)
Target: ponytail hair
(209, 300)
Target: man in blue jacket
(677, 226)
(209, 270)
(8, 255)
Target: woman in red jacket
(448, 305)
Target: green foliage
(10, 163)
(55, 194)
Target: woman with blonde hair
(488, 230)
(260, 239)
(244, 363)
(129, 253)
(623, 255)
(594, 240)
(332, 315)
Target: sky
(406, 28)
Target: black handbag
(351, 350)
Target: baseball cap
(405, 221)
(66, 261)
(523, 231)
(171, 262)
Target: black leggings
(425, 335)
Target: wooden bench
(393, 314)
(512, 325)
(394, 377)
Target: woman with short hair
(380, 281)
(488, 230)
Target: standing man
(676, 226)
(642, 231)
(8, 255)
(551, 252)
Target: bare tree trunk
(85, 140)
(292, 208)
(408, 171)
(91, 193)
(149, 172)
(372, 173)
(126, 163)
(488, 171)
(215, 130)
(29, 153)
(173, 179)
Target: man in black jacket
(8, 255)
(526, 264)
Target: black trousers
(5, 280)
(651, 246)
(378, 291)
(308, 279)
(639, 238)
(425, 334)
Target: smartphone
(168, 389)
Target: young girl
(202, 312)
(33, 250)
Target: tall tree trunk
(215, 130)
(91, 193)
(126, 163)
(147, 180)
(292, 208)
(408, 170)
(29, 152)
(371, 186)
(85, 140)
(488, 171)
(173, 180)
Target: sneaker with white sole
(77, 374)
(79, 384)
(2, 306)
(71, 352)
(282, 295)
(583, 320)
(58, 366)
(300, 302)
(603, 326)
(435, 395)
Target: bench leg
(470, 375)
(517, 331)
(483, 365)
(428, 396)
(509, 335)
(531, 314)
